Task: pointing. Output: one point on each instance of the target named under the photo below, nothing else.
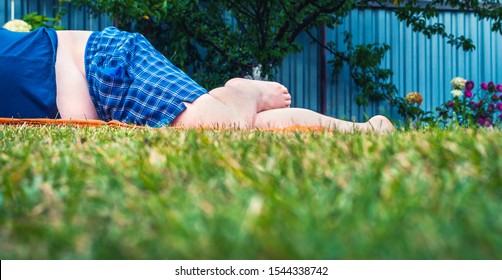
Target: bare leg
(282, 118)
(207, 111)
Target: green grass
(101, 193)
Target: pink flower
(499, 106)
(484, 86)
(485, 122)
(469, 85)
(488, 122)
(468, 93)
(491, 107)
(450, 104)
(499, 88)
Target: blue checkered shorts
(131, 82)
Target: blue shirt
(28, 74)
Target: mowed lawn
(104, 193)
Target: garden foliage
(471, 105)
(37, 20)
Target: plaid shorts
(131, 82)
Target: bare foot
(268, 95)
(380, 124)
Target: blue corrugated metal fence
(419, 64)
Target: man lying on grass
(116, 75)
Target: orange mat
(61, 122)
(117, 124)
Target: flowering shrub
(409, 109)
(470, 106)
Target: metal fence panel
(419, 64)
(299, 73)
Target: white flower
(456, 92)
(458, 83)
(17, 25)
